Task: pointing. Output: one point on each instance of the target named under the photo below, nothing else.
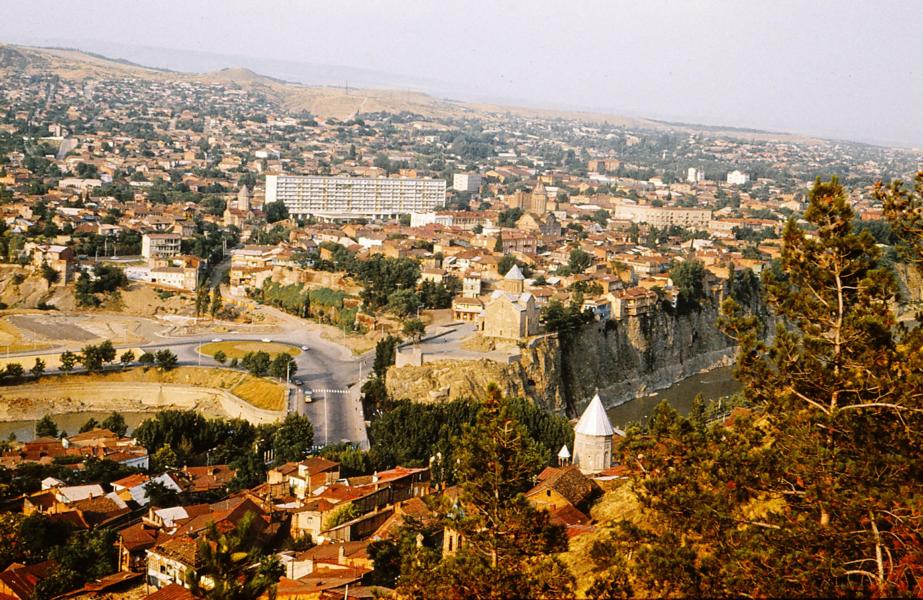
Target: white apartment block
(663, 216)
(737, 178)
(424, 219)
(354, 197)
(176, 277)
(466, 182)
(160, 245)
(694, 175)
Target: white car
(305, 348)
(216, 340)
(266, 340)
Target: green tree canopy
(507, 545)
(293, 438)
(815, 491)
(689, 278)
(115, 423)
(276, 211)
(233, 566)
(46, 427)
(414, 329)
(578, 260)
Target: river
(714, 384)
(69, 422)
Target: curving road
(330, 370)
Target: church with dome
(511, 313)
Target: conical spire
(594, 420)
(564, 453)
(515, 273)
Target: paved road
(445, 343)
(324, 366)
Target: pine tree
(46, 427)
(216, 301)
(201, 301)
(816, 492)
(508, 546)
(903, 207)
(38, 368)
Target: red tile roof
(22, 579)
(171, 592)
(131, 481)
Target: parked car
(217, 340)
(266, 340)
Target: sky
(846, 69)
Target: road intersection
(335, 413)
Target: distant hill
(336, 102)
(239, 75)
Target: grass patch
(261, 393)
(239, 349)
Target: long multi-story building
(663, 216)
(354, 197)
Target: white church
(592, 440)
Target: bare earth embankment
(212, 392)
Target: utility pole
(326, 396)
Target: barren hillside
(324, 101)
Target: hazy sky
(850, 69)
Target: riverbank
(69, 422)
(212, 392)
(713, 384)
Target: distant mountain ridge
(326, 101)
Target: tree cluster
(191, 439)
(106, 280)
(507, 547)
(815, 490)
(410, 433)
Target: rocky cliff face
(622, 359)
(536, 375)
(635, 356)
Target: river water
(69, 422)
(714, 384)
